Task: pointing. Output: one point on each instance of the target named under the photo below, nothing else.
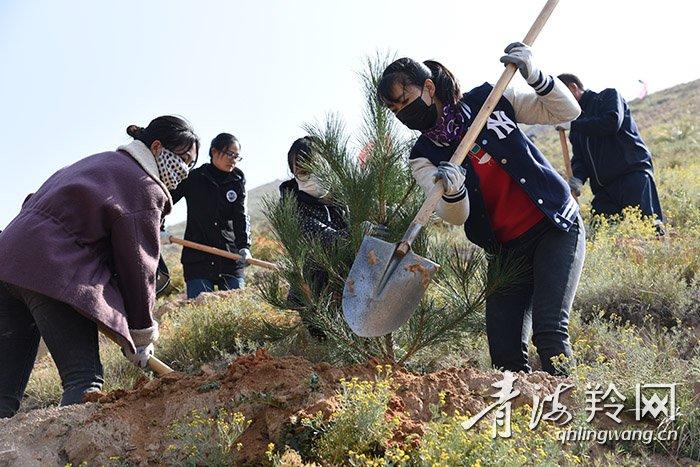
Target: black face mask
(418, 115)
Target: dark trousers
(70, 337)
(632, 189)
(539, 301)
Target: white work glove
(141, 357)
(143, 341)
(165, 237)
(576, 185)
(375, 230)
(245, 256)
(563, 126)
(520, 55)
(452, 176)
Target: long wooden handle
(467, 142)
(567, 158)
(226, 254)
(565, 153)
(158, 366)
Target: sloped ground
(133, 425)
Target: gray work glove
(576, 185)
(245, 256)
(563, 126)
(375, 230)
(143, 341)
(452, 176)
(165, 237)
(520, 55)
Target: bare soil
(133, 425)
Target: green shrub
(212, 328)
(201, 440)
(610, 351)
(359, 425)
(447, 443)
(631, 273)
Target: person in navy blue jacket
(507, 195)
(609, 152)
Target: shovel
(387, 280)
(567, 158)
(226, 254)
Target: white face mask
(311, 186)
(171, 168)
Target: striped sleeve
(543, 84)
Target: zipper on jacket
(590, 156)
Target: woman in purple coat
(82, 255)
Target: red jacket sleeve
(136, 248)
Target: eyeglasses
(233, 156)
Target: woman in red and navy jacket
(507, 195)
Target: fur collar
(144, 157)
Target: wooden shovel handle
(467, 142)
(223, 253)
(158, 366)
(565, 153)
(567, 157)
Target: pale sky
(74, 74)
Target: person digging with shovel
(82, 254)
(507, 195)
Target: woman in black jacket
(318, 217)
(217, 215)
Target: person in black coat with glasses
(217, 215)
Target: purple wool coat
(90, 237)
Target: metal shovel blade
(383, 289)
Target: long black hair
(174, 133)
(406, 71)
(300, 152)
(222, 142)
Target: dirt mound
(133, 425)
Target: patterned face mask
(171, 168)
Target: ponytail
(446, 85)
(406, 71)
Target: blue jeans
(539, 301)
(197, 286)
(70, 337)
